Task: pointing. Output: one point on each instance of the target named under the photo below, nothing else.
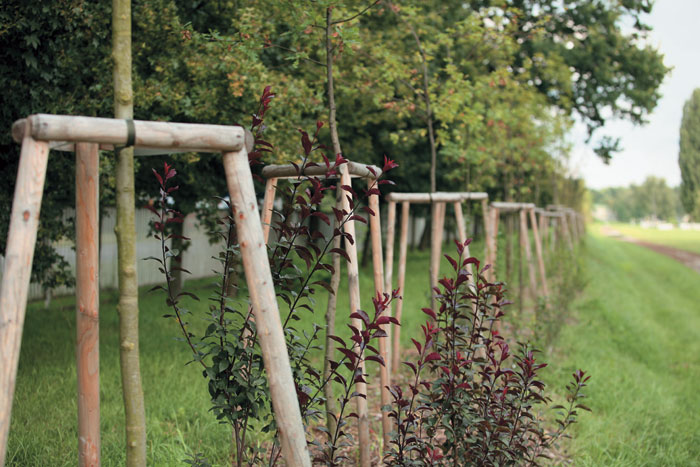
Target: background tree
(689, 155)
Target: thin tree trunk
(331, 407)
(353, 278)
(128, 308)
(178, 245)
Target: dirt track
(692, 260)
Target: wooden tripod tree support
(526, 212)
(348, 171)
(571, 223)
(439, 199)
(550, 232)
(37, 134)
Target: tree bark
(331, 407)
(179, 245)
(128, 307)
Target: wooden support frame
(526, 211)
(348, 171)
(438, 201)
(37, 133)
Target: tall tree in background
(689, 155)
(128, 308)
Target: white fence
(198, 259)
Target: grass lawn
(688, 240)
(636, 335)
(636, 331)
(44, 417)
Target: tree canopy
(503, 79)
(689, 155)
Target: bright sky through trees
(651, 149)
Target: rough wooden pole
(525, 241)
(487, 230)
(437, 227)
(493, 226)
(264, 302)
(378, 267)
(389, 269)
(403, 250)
(128, 307)
(544, 231)
(354, 292)
(87, 293)
(567, 232)
(462, 233)
(538, 252)
(19, 252)
(268, 203)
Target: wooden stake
(462, 233)
(354, 292)
(437, 227)
(378, 267)
(21, 238)
(87, 293)
(525, 242)
(487, 229)
(544, 231)
(538, 252)
(264, 302)
(567, 232)
(403, 250)
(494, 241)
(268, 203)
(389, 269)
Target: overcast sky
(651, 149)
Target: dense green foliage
(689, 155)
(653, 199)
(503, 78)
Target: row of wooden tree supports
(87, 135)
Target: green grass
(688, 240)
(44, 418)
(636, 332)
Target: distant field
(688, 240)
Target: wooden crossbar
(437, 197)
(149, 137)
(355, 169)
(508, 206)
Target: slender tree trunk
(128, 308)
(178, 244)
(331, 407)
(362, 419)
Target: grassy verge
(636, 332)
(688, 240)
(44, 422)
